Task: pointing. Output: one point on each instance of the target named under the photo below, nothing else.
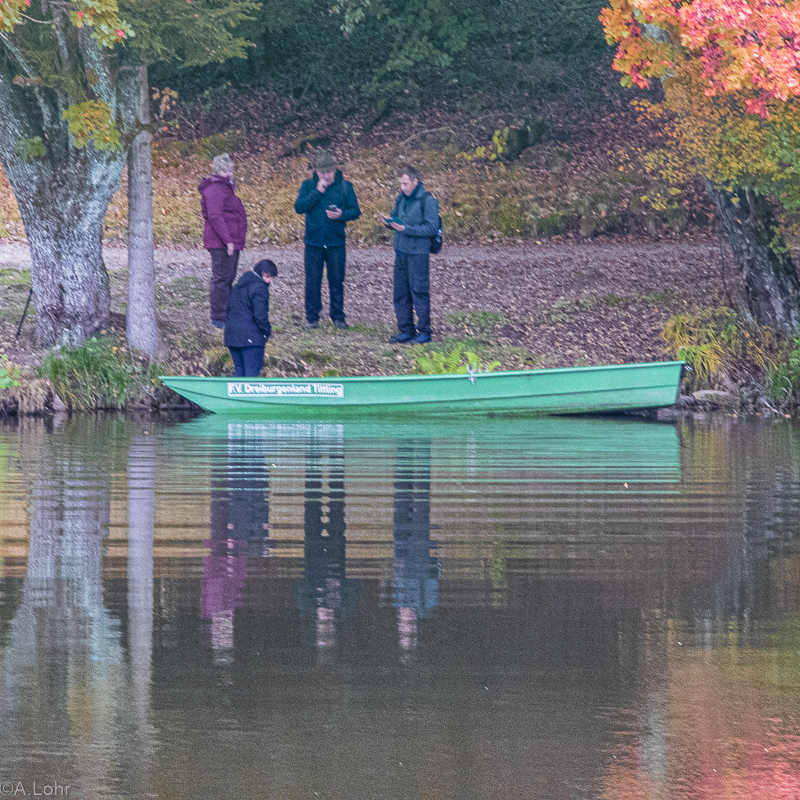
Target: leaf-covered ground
(543, 305)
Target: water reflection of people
(415, 575)
(239, 528)
(324, 591)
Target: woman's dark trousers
(412, 292)
(223, 274)
(247, 361)
(316, 258)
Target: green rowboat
(572, 390)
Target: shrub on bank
(98, 375)
(727, 351)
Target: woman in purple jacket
(224, 232)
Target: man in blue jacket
(329, 203)
(415, 219)
(247, 327)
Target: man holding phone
(329, 203)
(414, 220)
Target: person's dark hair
(412, 173)
(265, 267)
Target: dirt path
(543, 305)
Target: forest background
(511, 110)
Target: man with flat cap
(329, 203)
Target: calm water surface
(561, 608)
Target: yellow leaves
(91, 122)
(12, 13)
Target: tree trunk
(142, 328)
(771, 284)
(64, 212)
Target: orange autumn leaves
(731, 76)
(742, 45)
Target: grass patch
(9, 373)
(11, 276)
(183, 292)
(97, 375)
(481, 321)
(314, 357)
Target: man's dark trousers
(315, 259)
(412, 292)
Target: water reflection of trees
(716, 709)
(66, 683)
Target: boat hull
(575, 390)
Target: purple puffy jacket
(223, 212)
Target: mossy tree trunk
(769, 275)
(63, 185)
(63, 208)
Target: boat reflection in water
(344, 467)
(331, 600)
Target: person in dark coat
(224, 232)
(247, 328)
(329, 203)
(415, 219)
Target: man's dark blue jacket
(321, 231)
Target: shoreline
(552, 304)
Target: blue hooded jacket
(321, 231)
(419, 212)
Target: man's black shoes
(401, 338)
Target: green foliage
(457, 360)
(397, 53)
(29, 149)
(706, 340)
(95, 375)
(722, 348)
(192, 33)
(784, 376)
(9, 373)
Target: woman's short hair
(221, 163)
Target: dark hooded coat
(248, 313)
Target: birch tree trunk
(141, 326)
